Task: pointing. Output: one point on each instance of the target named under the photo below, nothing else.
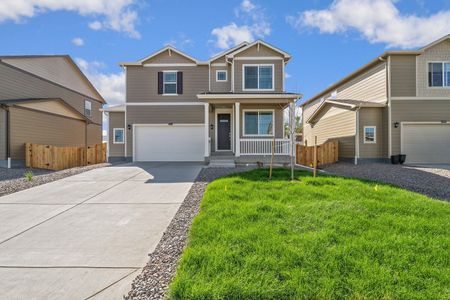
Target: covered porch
(248, 129)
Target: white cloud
(110, 85)
(255, 25)
(247, 6)
(78, 41)
(116, 15)
(96, 25)
(379, 21)
(287, 75)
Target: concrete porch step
(221, 163)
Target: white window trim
(114, 135)
(258, 111)
(374, 135)
(226, 75)
(176, 83)
(90, 109)
(443, 74)
(258, 65)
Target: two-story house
(45, 99)
(181, 109)
(399, 103)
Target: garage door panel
(426, 143)
(169, 143)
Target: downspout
(357, 135)
(209, 76)
(8, 136)
(388, 96)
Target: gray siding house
(399, 103)
(45, 100)
(181, 109)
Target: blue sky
(327, 39)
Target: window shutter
(160, 83)
(179, 83)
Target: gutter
(357, 135)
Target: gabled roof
(166, 48)
(371, 64)
(223, 53)
(286, 55)
(38, 100)
(58, 69)
(349, 104)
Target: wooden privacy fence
(326, 154)
(59, 158)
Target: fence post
(315, 156)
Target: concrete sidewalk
(88, 236)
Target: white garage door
(426, 143)
(169, 143)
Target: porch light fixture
(211, 126)
(396, 124)
(129, 126)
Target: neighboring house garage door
(169, 142)
(426, 143)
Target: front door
(223, 131)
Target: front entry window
(259, 122)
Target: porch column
(207, 146)
(237, 129)
(292, 131)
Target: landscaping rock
(431, 181)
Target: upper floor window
(87, 108)
(170, 82)
(221, 75)
(258, 77)
(439, 74)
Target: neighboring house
(181, 109)
(399, 103)
(45, 100)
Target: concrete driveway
(88, 236)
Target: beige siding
(341, 127)
(165, 58)
(403, 75)
(56, 69)
(279, 131)
(29, 126)
(2, 134)
(278, 74)
(94, 134)
(142, 84)
(116, 120)
(385, 132)
(220, 87)
(440, 52)
(256, 51)
(371, 117)
(188, 114)
(309, 109)
(15, 84)
(416, 111)
(54, 107)
(369, 86)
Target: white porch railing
(264, 146)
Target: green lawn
(323, 238)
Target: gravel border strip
(432, 182)
(14, 185)
(154, 280)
